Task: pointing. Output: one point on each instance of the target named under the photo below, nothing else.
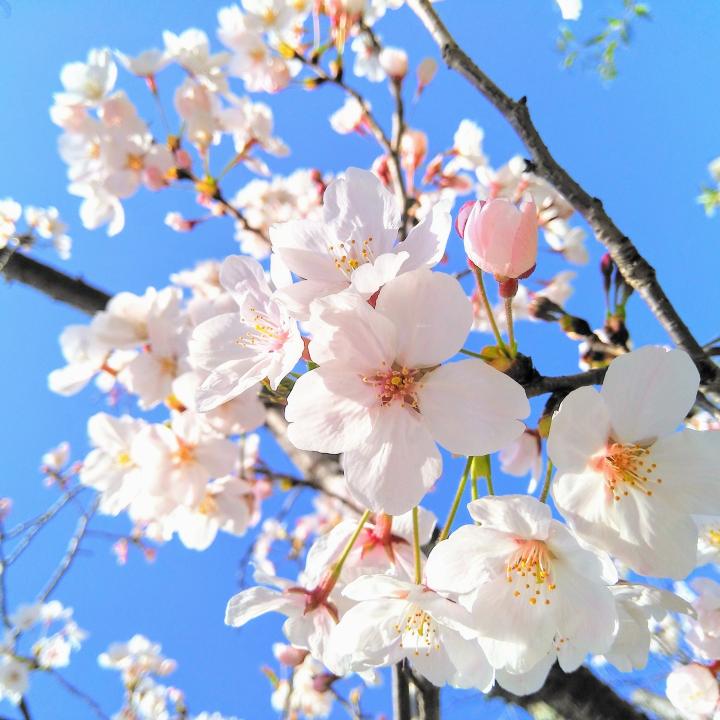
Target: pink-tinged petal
(517, 515)
(218, 456)
(359, 207)
(402, 525)
(329, 410)
(426, 242)
(229, 381)
(215, 341)
(297, 298)
(241, 275)
(395, 465)
(431, 313)
(253, 602)
(346, 329)
(580, 428)
(472, 409)
(371, 276)
(648, 393)
(303, 247)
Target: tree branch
(638, 273)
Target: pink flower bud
(463, 214)
(178, 223)
(120, 549)
(413, 148)
(322, 683)
(502, 239)
(394, 62)
(183, 159)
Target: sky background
(641, 143)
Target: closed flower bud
(502, 239)
(394, 62)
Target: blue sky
(641, 144)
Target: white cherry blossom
(627, 482)
(532, 588)
(381, 396)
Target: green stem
(338, 566)
(490, 486)
(416, 546)
(456, 501)
(548, 478)
(463, 351)
(488, 309)
(474, 489)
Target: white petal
(648, 392)
(253, 602)
(329, 410)
(427, 240)
(580, 428)
(472, 409)
(432, 315)
(395, 465)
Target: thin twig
(81, 695)
(71, 553)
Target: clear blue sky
(641, 144)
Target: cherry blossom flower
(693, 690)
(242, 348)
(534, 591)
(384, 546)
(703, 632)
(14, 679)
(135, 658)
(394, 61)
(226, 506)
(396, 619)
(638, 606)
(311, 613)
(356, 242)
(10, 212)
(303, 696)
(88, 83)
(626, 482)
(351, 117)
(523, 457)
(178, 461)
(86, 356)
(367, 60)
(381, 397)
(110, 467)
(146, 64)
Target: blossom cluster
(341, 330)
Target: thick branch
(576, 696)
(14, 265)
(634, 268)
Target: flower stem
(511, 329)
(416, 546)
(456, 501)
(490, 486)
(546, 485)
(338, 566)
(488, 309)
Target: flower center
(626, 467)
(395, 384)
(184, 454)
(530, 568)
(349, 256)
(418, 630)
(134, 162)
(264, 332)
(208, 506)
